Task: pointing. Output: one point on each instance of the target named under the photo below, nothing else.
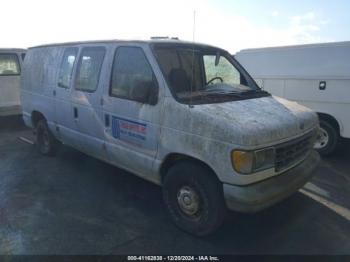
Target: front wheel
(194, 198)
(327, 138)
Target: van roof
(315, 61)
(4, 50)
(152, 41)
(276, 48)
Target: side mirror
(145, 92)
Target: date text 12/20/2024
(173, 258)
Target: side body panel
(87, 112)
(66, 129)
(37, 84)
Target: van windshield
(198, 74)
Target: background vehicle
(317, 76)
(185, 116)
(10, 71)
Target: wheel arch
(172, 158)
(330, 119)
(36, 116)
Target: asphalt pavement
(75, 204)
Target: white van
(10, 71)
(185, 116)
(316, 76)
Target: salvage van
(10, 72)
(185, 116)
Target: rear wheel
(327, 138)
(193, 197)
(45, 141)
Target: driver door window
(222, 72)
(131, 71)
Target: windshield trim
(209, 49)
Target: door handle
(75, 112)
(322, 85)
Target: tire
(46, 143)
(190, 180)
(327, 139)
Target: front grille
(289, 153)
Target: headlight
(247, 162)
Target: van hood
(252, 122)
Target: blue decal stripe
(121, 133)
(117, 128)
(113, 127)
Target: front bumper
(255, 197)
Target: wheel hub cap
(188, 200)
(322, 139)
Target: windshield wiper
(220, 95)
(240, 94)
(220, 92)
(255, 91)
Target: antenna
(192, 66)
(194, 25)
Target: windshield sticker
(128, 130)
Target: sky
(232, 25)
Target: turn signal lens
(247, 162)
(243, 161)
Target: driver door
(132, 127)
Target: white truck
(10, 73)
(315, 75)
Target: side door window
(132, 74)
(89, 68)
(66, 69)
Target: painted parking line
(26, 140)
(340, 210)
